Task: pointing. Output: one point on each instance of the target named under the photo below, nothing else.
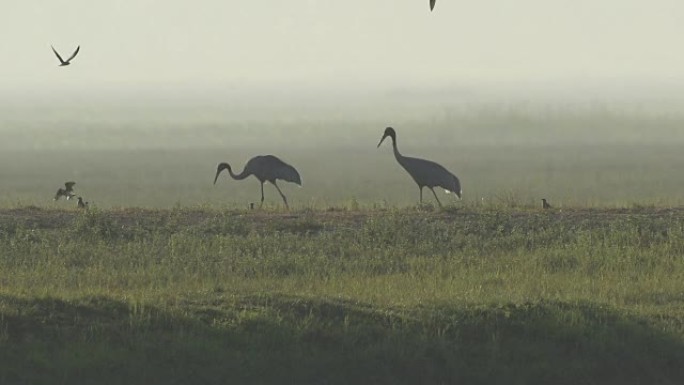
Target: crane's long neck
(244, 174)
(397, 154)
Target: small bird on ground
(82, 204)
(266, 168)
(67, 192)
(545, 204)
(66, 62)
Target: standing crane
(424, 172)
(432, 4)
(266, 168)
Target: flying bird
(432, 4)
(266, 168)
(545, 204)
(82, 204)
(68, 61)
(424, 172)
(67, 192)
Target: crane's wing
(56, 53)
(270, 167)
(73, 55)
(69, 185)
(289, 174)
(432, 4)
(59, 193)
(281, 170)
(456, 189)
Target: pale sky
(339, 41)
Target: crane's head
(221, 167)
(389, 131)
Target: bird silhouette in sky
(68, 61)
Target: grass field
(169, 279)
(464, 295)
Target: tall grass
(389, 296)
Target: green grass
(350, 286)
(491, 294)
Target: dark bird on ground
(62, 62)
(432, 4)
(545, 204)
(266, 168)
(67, 192)
(82, 204)
(424, 172)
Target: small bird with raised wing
(67, 191)
(66, 62)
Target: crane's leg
(262, 194)
(281, 194)
(435, 194)
(420, 188)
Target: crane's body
(266, 168)
(424, 172)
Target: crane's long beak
(217, 174)
(381, 140)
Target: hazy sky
(339, 41)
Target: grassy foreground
(336, 297)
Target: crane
(67, 191)
(424, 172)
(266, 168)
(63, 63)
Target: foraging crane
(432, 4)
(545, 204)
(63, 63)
(424, 172)
(266, 168)
(67, 192)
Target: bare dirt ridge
(44, 218)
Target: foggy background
(579, 101)
(340, 43)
